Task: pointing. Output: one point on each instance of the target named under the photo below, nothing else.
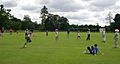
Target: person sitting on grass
(94, 50)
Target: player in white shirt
(56, 36)
(116, 36)
(103, 35)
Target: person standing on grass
(88, 34)
(0, 33)
(68, 32)
(78, 35)
(46, 32)
(11, 31)
(103, 35)
(56, 36)
(116, 36)
(17, 32)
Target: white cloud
(105, 3)
(77, 11)
(9, 3)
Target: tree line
(49, 22)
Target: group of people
(88, 36)
(92, 50)
(2, 31)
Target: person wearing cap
(116, 38)
(88, 34)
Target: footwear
(24, 46)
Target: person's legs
(89, 49)
(88, 36)
(116, 43)
(57, 41)
(25, 45)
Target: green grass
(43, 50)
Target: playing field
(43, 50)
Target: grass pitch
(43, 50)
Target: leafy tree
(51, 21)
(117, 21)
(27, 23)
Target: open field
(43, 50)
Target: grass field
(43, 50)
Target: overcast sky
(77, 11)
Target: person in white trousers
(116, 36)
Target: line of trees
(8, 21)
(49, 22)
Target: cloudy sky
(77, 11)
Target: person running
(116, 38)
(28, 39)
(103, 35)
(88, 34)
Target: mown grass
(43, 50)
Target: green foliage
(117, 21)
(52, 22)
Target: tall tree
(27, 23)
(117, 21)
